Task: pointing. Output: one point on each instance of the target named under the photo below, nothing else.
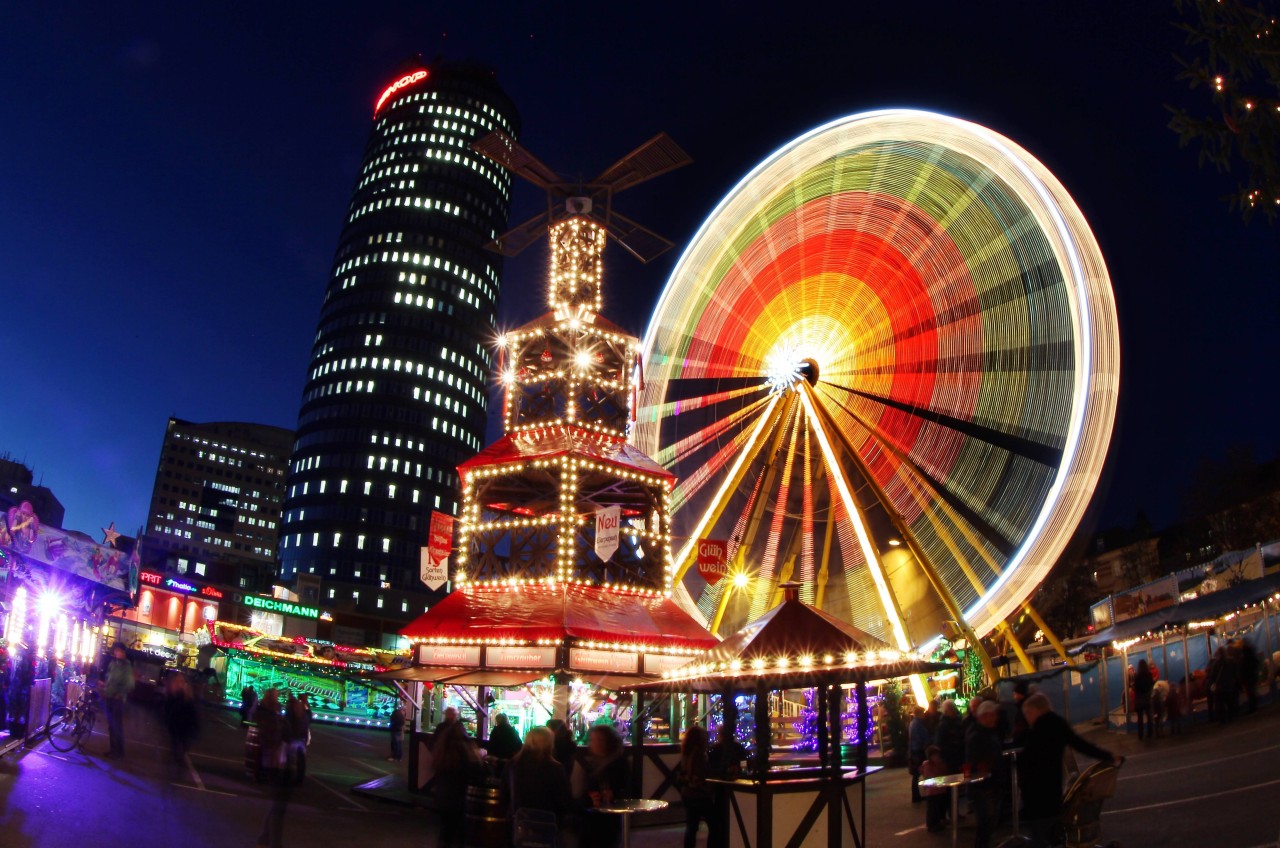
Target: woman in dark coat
(535, 781)
(608, 776)
(1143, 682)
(504, 742)
(455, 763)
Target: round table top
(631, 805)
(949, 780)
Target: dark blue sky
(173, 178)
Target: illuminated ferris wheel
(885, 367)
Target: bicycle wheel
(84, 728)
(62, 729)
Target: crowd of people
(941, 742)
(546, 777)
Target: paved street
(1210, 786)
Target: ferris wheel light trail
(961, 313)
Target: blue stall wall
(1079, 696)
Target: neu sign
(712, 561)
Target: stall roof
(818, 649)
(528, 613)
(1208, 606)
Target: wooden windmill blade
(508, 153)
(654, 158)
(516, 239)
(640, 241)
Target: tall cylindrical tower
(396, 392)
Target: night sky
(174, 176)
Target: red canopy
(583, 613)
(564, 440)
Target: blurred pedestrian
(1143, 684)
(504, 741)
(565, 745)
(695, 791)
(1040, 766)
(456, 763)
(608, 776)
(950, 737)
(296, 731)
(917, 742)
(935, 813)
(985, 760)
(180, 716)
(397, 734)
(1250, 669)
(115, 692)
(535, 781)
(248, 702)
(270, 724)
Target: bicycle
(70, 727)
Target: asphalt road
(1210, 786)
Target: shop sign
(607, 532)
(658, 663)
(463, 655)
(273, 605)
(508, 657)
(712, 561)
(583, 659)
(151, 578)
(434, 564)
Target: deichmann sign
(272, 605)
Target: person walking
(397, 734)
(695, 792)
(115, 691)
(1040, 766)
(180, 716)
(1143, 684)
(266, 715)
(535, 781)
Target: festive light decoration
(899, 307)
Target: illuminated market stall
(57, 586)
(335, 677)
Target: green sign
(286, 607)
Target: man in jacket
(1040, 765)
(115, 690)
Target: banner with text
(435, 556)
(607, 531)
(712, 562)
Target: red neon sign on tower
(404, 81)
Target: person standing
(608, 776)
(455, 762)
(695, 792)
(535, 781)
(1143, 684)
(115, 691)
(270, 735)
(397, 734)
(297, 729)
(917, 743)
(1040, 766)
(985, 760)
(565, 745)
(504, 741)
(248, 702)
(950, 737)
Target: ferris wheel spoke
(1038, 452)
(765, 582)
(956, 504)
(702, 387)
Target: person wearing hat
(984, 760)
(115, 691)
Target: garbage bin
(487, 825)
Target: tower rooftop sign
(404, 82)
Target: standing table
(952, 782)
(625, 807)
